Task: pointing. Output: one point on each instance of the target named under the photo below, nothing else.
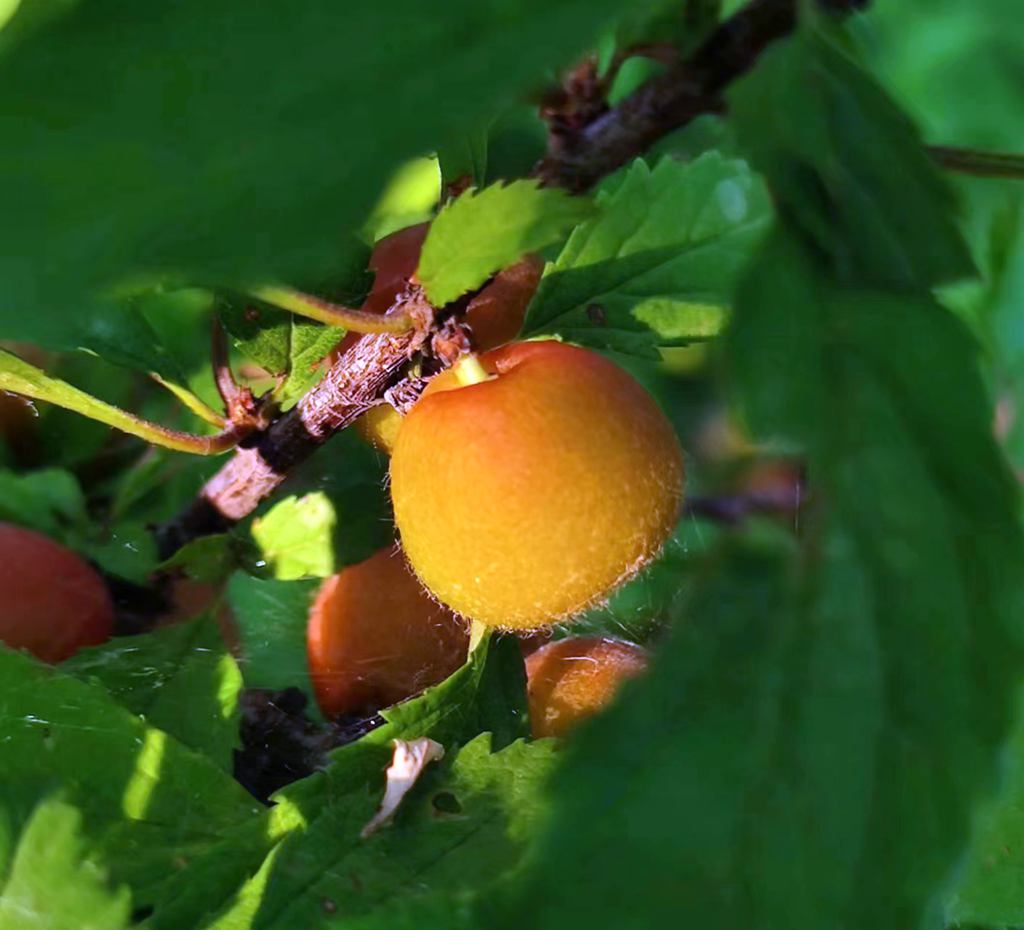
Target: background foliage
(829, 735)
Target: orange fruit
(572, 679)
(523, 499)
(375, 637)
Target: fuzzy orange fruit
(523, 499)
(572, 679)
(375, 637)
(52, 602)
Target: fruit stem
(316, 308)
(469, 371)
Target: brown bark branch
(576, 160)
(353, 384)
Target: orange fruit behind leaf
(375, 637)
(572, 679)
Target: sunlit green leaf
(481, 232)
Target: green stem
(357, 321)
(198, 406)
(978, 162)
(19, 377)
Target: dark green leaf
(929, 541)
(181, 679)
(208, 559)
(252, 138)
(848, 167)
(272, 617)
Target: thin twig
(239, 403)
(355, 382)
(669, 101)
(982, 164)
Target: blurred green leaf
(850, 171)
(483, 231)
(409, 197)
(19, 377)
(925, 512)
(126, 549)
(50, 887)
(273, 134)
(659, 264)
(464, 156)
(49, 501)
(181, 679)
(662, 809)
(295, 537)
(989, 892)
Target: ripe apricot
(52, 602)
(376, 637)
(525, 498)
(571, 679)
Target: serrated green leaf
(148, 801)
(483, 231)
(849, 167)
(242, 173)
(260, 332)
(51, 887)
(486, 695)
(660, 262)
(464, 822)
(308, 346)
(280, 342)
(181, 678)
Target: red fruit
(52, 603)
